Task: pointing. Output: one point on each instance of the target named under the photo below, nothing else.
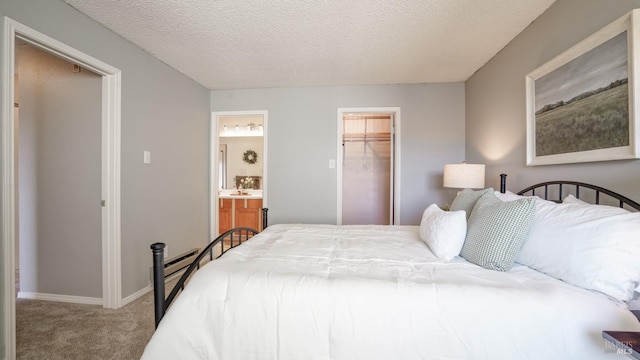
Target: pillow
(496, 231)
(443, 231)
(570, 199)
(507, 196)
(466, 199)
(591, 246)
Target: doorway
(58, 167)
(110, 169)
(368, 166)
(238, 179)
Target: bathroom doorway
(368, 166)
(238, 170)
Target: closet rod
(366, 140)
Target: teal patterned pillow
(466, 199)
(496, 231)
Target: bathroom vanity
(235, 210)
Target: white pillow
(443, 231)
(507, 196)
(570, 199)
(594, 247)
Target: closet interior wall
(366, 174)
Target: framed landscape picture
(581, 105)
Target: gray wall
(4, 267)
(59, 176)
(302, 135)
(163, 112)
(495, 100)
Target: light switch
(147, 157)
(332, 163)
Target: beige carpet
(55, 330)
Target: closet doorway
(368, 166)
(109, 163)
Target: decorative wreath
(250, 157)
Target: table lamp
(463, 176)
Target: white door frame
(395, 161)
(215, 163)
(111, 90)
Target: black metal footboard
(227, 240)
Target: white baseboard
(60, 298)
(89, 300)
(80, 299)
(140, 293)
(136, 295)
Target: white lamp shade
(464, 176)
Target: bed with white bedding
(381, 292)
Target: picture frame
(582, 104)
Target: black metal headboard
(557, 187)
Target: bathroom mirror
(241, 141)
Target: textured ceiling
(231, 44)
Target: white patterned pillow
(443, 231)
(496, 231)
(466, 199)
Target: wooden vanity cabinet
(247, 213)
(225, 215)
(239, 212)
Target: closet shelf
(366, 136)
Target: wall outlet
(166, 252)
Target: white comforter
(376, 292)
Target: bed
(299, 291)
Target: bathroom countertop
(234, 195)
